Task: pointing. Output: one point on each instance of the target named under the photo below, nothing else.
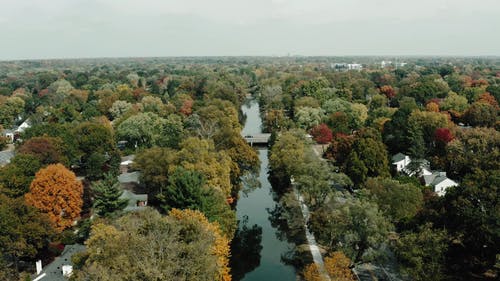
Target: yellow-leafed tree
(56, 191)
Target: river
(257, 250)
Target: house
(439, 181)
(400, 161)
(9, 134)
(62, 267)
(403, 164)
(13, 134)
(135, 201)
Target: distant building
(439, 181)
(346, 66)
(354, 66)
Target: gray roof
(133, 199)
(129, 177)
(53, 270)
(5, 157)
(435, 178)
(398, 157)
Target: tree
(56, 191)
(398, 201)
(180, 246)
(286, 153)
(481, 114)
(141, 129)
(356, 227)
(454, 102)
(184, 190)
(388, 91)
(97, 148)
(371, 152)
(16, 177)
(422, 253)
(322, 134)
(24, 231)
(48, 150)
(337, 266)
(473, 149)
(200, 155)
(119, 108)
(106, 193)
(308, 117)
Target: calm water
(252, 208)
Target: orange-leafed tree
(56, 191)
(336, 266)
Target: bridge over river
(258, 139)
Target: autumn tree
(182, 245)
(48, 150)
(337, 266)
(56, 191)
(322, 134)
(106, 193)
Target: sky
(42, 29)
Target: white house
(400, 161)
(354, 66)
(439, 181)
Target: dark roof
(133, 199)
(53, 270)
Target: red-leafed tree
(322, 134)
(388, 91)
(442, 136)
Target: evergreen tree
(107, 194)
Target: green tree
(106, 193)
(24, 231)
(184, 190)
(356, 227)
(398, 201)
(422, 253)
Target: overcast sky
(32, 29)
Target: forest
(337, 135)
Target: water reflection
(246, 246)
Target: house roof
(129, 177)
(398, 157)
(435, 178)
(53, 271)
(5, 157)
(133, 199)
